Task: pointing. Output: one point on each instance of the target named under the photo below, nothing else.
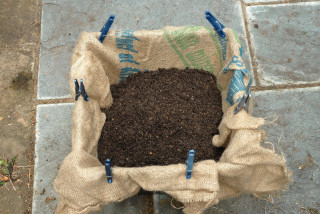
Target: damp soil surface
(158, 116)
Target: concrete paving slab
(162, 204)
(53, 143)
(285, 42)
(59, 33)
(297, 134)
(242, 205)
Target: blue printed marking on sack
(235, 60)
(241, 50)
(125, 72)
(223, 43)
(127, 58)
(237, 84)
(125, 41)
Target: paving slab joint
(251, 50)
(286, 86)
(55, 101)
(277, 2)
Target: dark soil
(158, 116)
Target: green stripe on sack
(216, 44)
(197, 59)
(236, 36)
(184, 61)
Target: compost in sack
(157, 117)
(244, 167)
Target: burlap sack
(245, 166)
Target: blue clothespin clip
(244, 102)
(190, 163)
(105, 29)
(82, 90)
(108, 170)
(77, 89)
(216, 24)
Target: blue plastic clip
(216, 24)
(83, 91)
(244, 103)
(77, 89)
(105, 29)
(80, 90)
(190, 163)
(108, 170)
